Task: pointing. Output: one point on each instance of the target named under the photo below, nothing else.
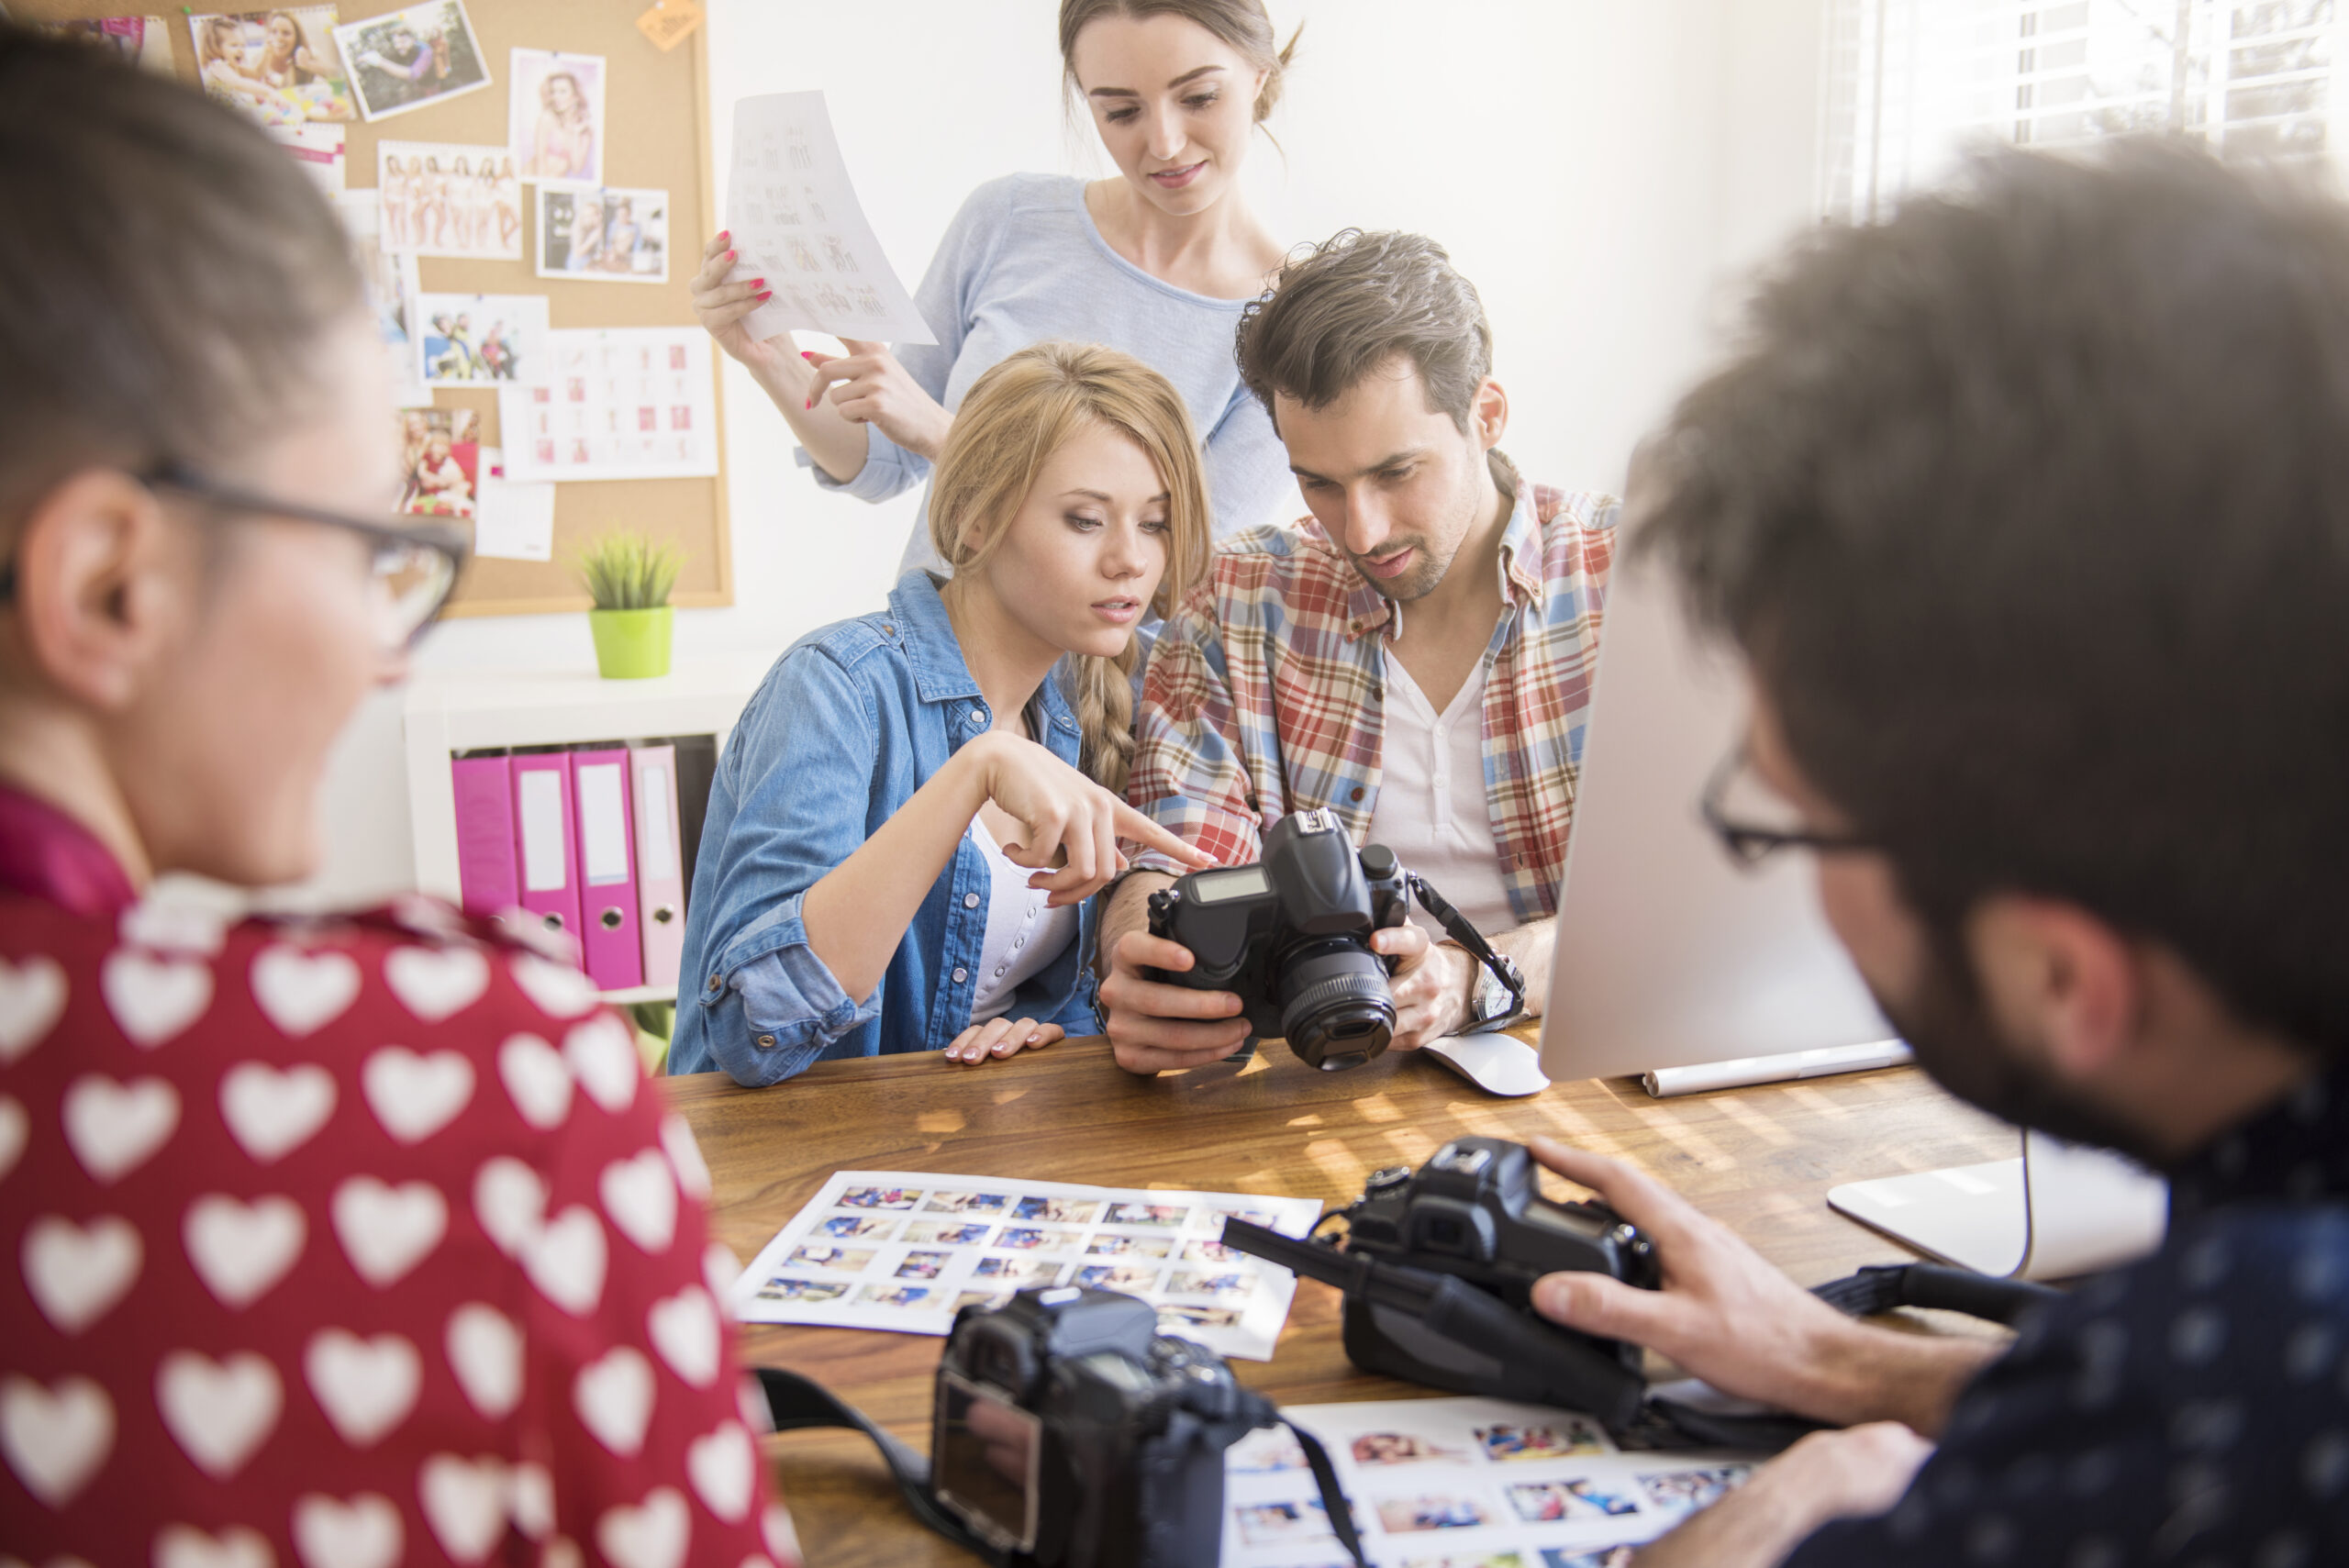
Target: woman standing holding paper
(1158, 261)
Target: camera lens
(1336, 1010)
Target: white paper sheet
(796, 222)
(619, 402)
(512, 522)
(904, 1251)
(1465, 1482)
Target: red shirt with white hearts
(343, 1246)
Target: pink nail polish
(765, 295)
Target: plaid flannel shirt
(1265, 693)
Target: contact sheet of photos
(1461, 1484)
(905, 1252)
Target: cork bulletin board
(656, 134)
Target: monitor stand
(2062, 1210)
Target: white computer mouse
(1496, 1064)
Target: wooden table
(1760, 1160)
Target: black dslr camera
(1067, 1430)
(1438, 1268)
(1291, 936)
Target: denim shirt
(863, 711)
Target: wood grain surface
(1760, 1160)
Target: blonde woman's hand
(721, 301)
(868, 386)
(1069, 825)
(1003, 1036)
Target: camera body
(1067, 1430)
(1475, 1211)
(1290, 935)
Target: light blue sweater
(1022, 262)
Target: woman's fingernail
(725, 237)
(765, 295)
(758, 283)
(1034, 1038)
(811, 401)
(808, 355)
(733, 255)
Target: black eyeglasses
(414, 565)
(1751, 843)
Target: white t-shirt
(1023, 933)
(1432, 810)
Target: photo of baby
(280, 67)
(966, 1203)
(847, 1226)
(1166, 1215)
(840, 1259)
(1110, 1244)
(880, 1197)
(1400, 1448)
(923, 1265)
(554, 115)
(1197, 1281)
(1539, 1502)
(1015, 1271)
(1039, 1239)
(1267, 1524)
(802, 1290)
(1569, 1435)
(1403, 1516)
(604, 234)
(944, 1233)
(1576, 1557)
(450, 199)
(440, 462)
(1133, 1278)
(1683, 1491)
(480, 338)
(407, 60)
(1175, 1317)
(895, 1294)
(1058, 1210)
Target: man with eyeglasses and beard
(2029, 510)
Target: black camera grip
(798, 1403)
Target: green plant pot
(631, 644)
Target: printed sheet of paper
(1464, 1482)
(514, 522)
(617, 403)
(905, 1252)
(797, 223)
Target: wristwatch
(1492, 1002)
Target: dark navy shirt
(2192, 1408)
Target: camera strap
(1455, 926)
(799, 1404)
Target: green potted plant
(630, 577)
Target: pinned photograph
(1132, 1278)
(965, 1203)
(318, 149)
(848, 1226)
(1197, 1282)
(945, 1233)
(1400, 1448)
(1267, 1524)
(880, 1197)
(1541, 1501)
(142, 41)
(412, 58)
(440, 460)
(1175, 1317)
(390, 284)
(840, 1260)
(1169, 1215)
(610, 235)
(1568, 1436)
(280, 67)
(1038, 1239)
(1682, 1492)
(895, 1294)
(449, 199)
(473, 339)
(1404, 1515)
(923, 1265)
(1580, 1557)
(1015, 1271)
(802, 1290)
(1110, 1244)
(554, 115)
(1057, 1211)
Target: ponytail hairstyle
(1009, 425)
(1242, 23)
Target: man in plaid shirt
(1293, 679)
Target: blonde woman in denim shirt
(914, 812)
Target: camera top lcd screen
(985, 1462)
(1241, 881)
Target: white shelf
(639, 994)
(444, 713)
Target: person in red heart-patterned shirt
(339, 1243)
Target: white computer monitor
(1668, 953)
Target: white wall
(1601, 169)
